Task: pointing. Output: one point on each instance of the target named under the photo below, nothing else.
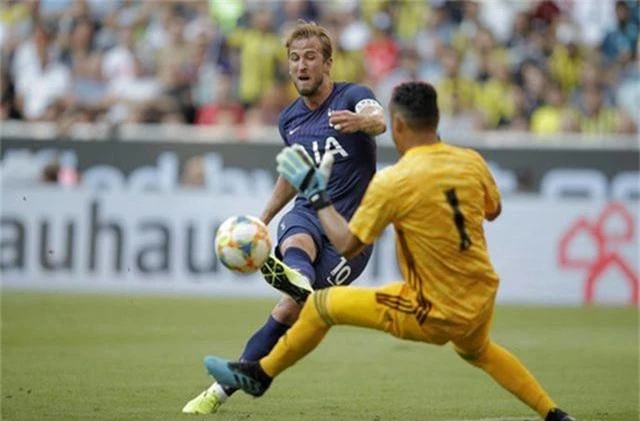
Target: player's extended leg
(363, 307)
(261, 342)
(478, 350)
(293, 277)
(295, 274)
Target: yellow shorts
(395, 309)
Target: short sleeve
(359, 96)
(491, 191)
(377, 209)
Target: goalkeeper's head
(414, 115)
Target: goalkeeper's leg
(353, 306)
(508, 371)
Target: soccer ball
(242, 243)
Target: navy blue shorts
(331, 268)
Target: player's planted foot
(286, 280)
(205, 403)
(245, 375)
(558, 415)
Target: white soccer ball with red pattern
(242, 243)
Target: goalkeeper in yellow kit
(437, 197)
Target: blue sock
(261, 343)
(298, 259)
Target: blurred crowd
(539, 66)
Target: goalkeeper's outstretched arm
(282, 194)
(338, 232)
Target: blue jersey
(354, 153)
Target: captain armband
(367, 102)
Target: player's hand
(345, 121)
(296, 166)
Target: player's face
(307, 67)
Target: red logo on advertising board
(607, 245)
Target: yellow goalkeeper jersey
(437, 197)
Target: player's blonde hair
(304, 30)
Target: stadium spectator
(461, 119)
(119, 61)
(533, 80)
(7, 105)
(628, 97)
(405, 72)
(382, 51)
(595, 116)
(592, 77)
(454, 83)
(620, 44)
(493, 93)
(270, 105)
(132, 91)
(566, 60)
(223, 110)
(42, 81)
(407, 17)
(260, 55)
(554, 116)
(499, 59)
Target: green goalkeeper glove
(296, 166)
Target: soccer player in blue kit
(328, 117)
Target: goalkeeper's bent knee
(477, 357)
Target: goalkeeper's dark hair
(418, 104)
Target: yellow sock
(511, 374)
(305, 334)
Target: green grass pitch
(87, 357)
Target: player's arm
(495, 214)
(372, 119)
(374, 213)
(282, 194)
(492, 202)
(364, 113)
(369, 119)
(337, 230)
(297, 169)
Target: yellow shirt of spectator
(437, 197)
(348, 66)
(260, 54)
(492, 98)
(546, 120)
(465, 89)
(606, 120)
(565, 68)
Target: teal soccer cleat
(245, 375)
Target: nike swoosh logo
(292, 131)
